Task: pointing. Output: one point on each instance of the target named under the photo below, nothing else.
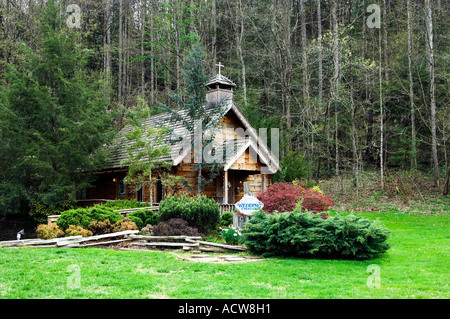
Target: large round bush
(200, 212)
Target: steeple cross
(220, 65)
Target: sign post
(246, 207)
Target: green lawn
(416, 266)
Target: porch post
(264, 182)
(225, 187)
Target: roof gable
(182, 147)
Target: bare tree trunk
(304, 53)
(411, 90)
(336, 84)
(320, 87)
(143, 13)
(282, 33)
(152, 53)
(239, 37)
(177, 19)
(385, 42)
(120, 80)
(353, 110)
(214, 35)
(429, 24)
(108, 48)
(381, 116)
(319, 36)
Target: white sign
(248, 204)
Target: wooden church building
(246, 157)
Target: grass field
(416, 266)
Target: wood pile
(126, 239)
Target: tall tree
(195, 118)
(430, 53)
(411, 88)
(336, 75)
(57, 118)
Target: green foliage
(147, 149)
(307, 235)
(226, 219)
(193, 101)
(84, 216)
(232, 236)
(41, 211)
(137, 220)
(152, 218)
(143, 217)
(200, 212)
(294, 167)
(54, 120)
(124, 204)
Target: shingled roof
(180, 148)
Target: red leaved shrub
(283, 197)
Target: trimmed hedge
(84, 216)
(300, 234)
(202, 212)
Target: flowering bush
(49, 231)
(283, 197)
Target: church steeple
(220, 87)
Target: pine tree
(196, 118)
(57, 119)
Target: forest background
(353, 86)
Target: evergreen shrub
(84, 216)
(143, 217)
(300, 234)
(200, 212)
(226, 219)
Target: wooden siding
(246, 168)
